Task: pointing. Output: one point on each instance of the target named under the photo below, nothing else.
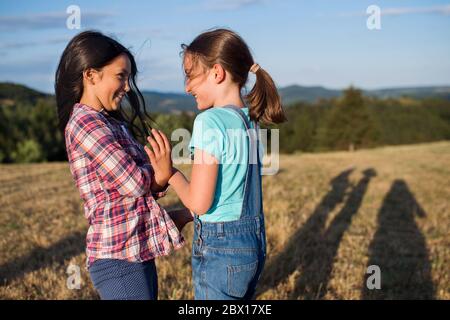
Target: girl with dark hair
(128, 229)
(229, 246)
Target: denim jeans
(228, 257)
(123, 280)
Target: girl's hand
(181, 217)
(160, 157)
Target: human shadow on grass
(313, 247)
(398, 248)
(38, 258)
(66, 248)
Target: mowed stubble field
(328, 217)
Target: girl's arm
(93, 138)
(197, 195)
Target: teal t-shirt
(221, 132)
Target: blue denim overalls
(228, 257)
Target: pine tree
(349, 125)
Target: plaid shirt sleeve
(116, 168)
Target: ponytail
(264, 100)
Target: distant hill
(10, 92)
(179, 102)
(169, 102)
(413, 92)
(295, 93)
(156, 101)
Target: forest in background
(354, 120)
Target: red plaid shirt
(113, 176)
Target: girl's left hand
(160, 157)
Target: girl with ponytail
(224, 193)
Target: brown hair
(227, 48)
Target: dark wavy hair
(92, 49)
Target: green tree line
(354, 121)
(29, 131)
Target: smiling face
(199, 83)
(113, 83)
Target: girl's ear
(218, 73)
(91, 76)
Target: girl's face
(199, 83)
(113, 82)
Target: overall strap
(252, 203)
(252, 134)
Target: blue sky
(323, 42)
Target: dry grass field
(328, 217)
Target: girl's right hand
(160, 157)
(181, 217)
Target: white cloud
(49, 20)
(24, 44)
(225, 5)
(443, 10)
